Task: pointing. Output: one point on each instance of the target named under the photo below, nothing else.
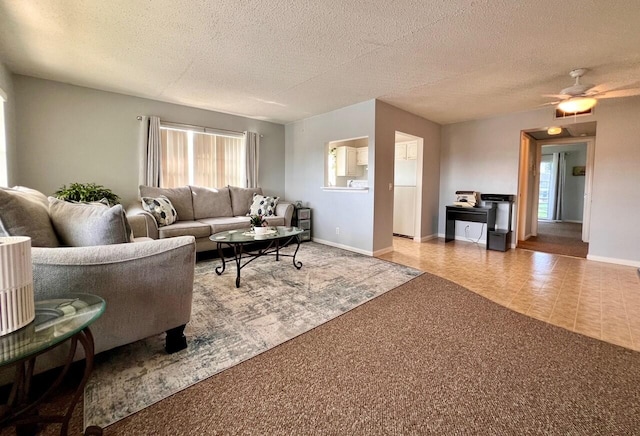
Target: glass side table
(57, 321)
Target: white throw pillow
(263, 205)
(161, 209)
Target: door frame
(588, 183)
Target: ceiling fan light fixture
(554, 130)
(577, 104)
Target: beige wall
(390, 119)
(483, 155)
(73, 134)
(6, 84)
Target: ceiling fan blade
(619, 93)
(560, 96)
(551, 103)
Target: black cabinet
(499, 239)
(302, 219)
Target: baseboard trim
(571, 221)
(462, 238)
(604, 259)
(344, 247)
(425, 238)
(382, 251)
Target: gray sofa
(147, 284)
(203, 212)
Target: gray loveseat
(203, 212)
(147, 285)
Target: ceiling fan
(581, 97)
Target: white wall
(483, 155)
(6, 84)
(305, 168)
(73, 134)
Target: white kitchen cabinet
(346, 164)
(401, 151)
(412, 151)
(362, 156)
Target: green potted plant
(86, 192)
(258, 224)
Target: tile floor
(596, 299)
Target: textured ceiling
(284, 60)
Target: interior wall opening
(407, 191)
(555, 179)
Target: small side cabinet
(303, 220)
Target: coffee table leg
(85, 337)
(220, 269)
(298, 264)
(237, 251)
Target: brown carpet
(557, 238)
(429, 357)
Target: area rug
(275, 303)
(427, 358)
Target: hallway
(557, 238)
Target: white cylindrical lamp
(17, 306)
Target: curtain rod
(141, 117)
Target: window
(4, 180)
(546, 197)
(194, 156)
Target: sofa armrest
(285, 209)
(142, 223)
(147, 286)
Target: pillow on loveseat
(161, 209)
(25, 212)
(82, 224)
(241, 199)
(180, 199)
(263, 205)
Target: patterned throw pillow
(263, 205)
(161, 209)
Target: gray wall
(6, 83)
(365, 220)
(72, 134)
(390, 119)
(305, 168)
(483, 155)
(573, 192)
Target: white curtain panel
(252, 141)
(174, 151)
(153, 153)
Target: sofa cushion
(211, 202)
(241, 199)
(263, 205)
(161, 208)
(25, 212)
(179, 197)
(185, 228)
(223, 224)
(81, 224)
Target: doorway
(555, 190)
(407, 186)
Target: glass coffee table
(57, 321)
(266, 244)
